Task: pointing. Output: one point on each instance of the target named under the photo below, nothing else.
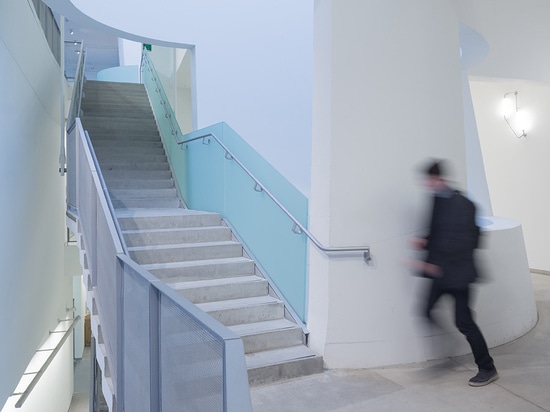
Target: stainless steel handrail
(106, 193)
(76, 99)
(145, 59)
(25, 394)
(297, 228)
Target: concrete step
(131, 157)
(135, 238)
(246, 310)
(107, 144)
(139, 183)
(183, 252)
(105, 127)
(278, 364)
(112, 175)
(202, 269)
(166, 219)
(99, 120)
(123, 136)
(123, 194)
(106, 110)
(127, 150)
(133, 165)
(269, 335)
(166, 203)
(202, 291)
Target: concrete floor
(442, 385)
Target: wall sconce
(512, 114)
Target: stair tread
(175, 229)
(277, 356)
(192, 263)
(159, 212)
(247, 329)
(182, 245)
(215, 282)
(237, 303)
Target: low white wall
(517, 169)
(391, 330)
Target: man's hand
(418, 243)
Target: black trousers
(464, 322)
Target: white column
(387, 97)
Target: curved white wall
(388, 93)
(34, 291)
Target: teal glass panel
(210, 180)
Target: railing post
(119, 273)
(154, 347)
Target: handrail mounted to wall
(297, 227)
(37, 375)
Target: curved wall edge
(503, 301)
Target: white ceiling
(101, 49)
(512, 37)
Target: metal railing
(146, 60)
(162, 353)
(76, 99)
(37, 375)
(297, 227)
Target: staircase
(192, 251)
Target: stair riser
(272, 340)
(130, 157)
(127, 150)
(126, 194)
(110, 123)
(225, 292)
(150, 256)
(104, 144)
(169, 222)
(112, 114)
(214, 234)
(203, 272)
(122, 137)
(289, 370)
(114, 127)
(139, 175)
(146, 204)
(135, 166)
(125, 184)
(112, 105)
(249, 314)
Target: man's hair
(435, 168)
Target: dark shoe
(484, 377)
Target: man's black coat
(453, 237)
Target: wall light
(515, 119)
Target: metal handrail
(159, 89)
(297, 227)
(106, 193)
(25, 394)
(76, 99)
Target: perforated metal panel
(191, 360)
(136, 348)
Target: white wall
(253, 65)
(388, 95)
(517, 169)
(34, 291)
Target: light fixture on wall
(515, 119)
